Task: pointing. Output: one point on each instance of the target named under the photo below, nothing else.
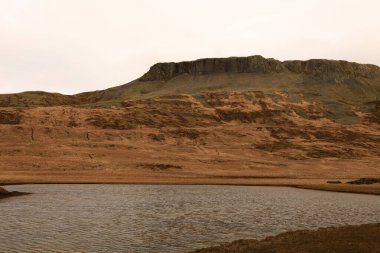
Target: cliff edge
(326, 70)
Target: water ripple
(137, 218)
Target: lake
(158, 218)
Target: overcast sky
(70, 46)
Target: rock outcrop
(333, 71)
(251, 64)
(3, 191)
(6, 194)
(326, 70)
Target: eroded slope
(235, 120)
(185, 138)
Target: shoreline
(357, 189)
(351, 238)
(6, 194)
(307, 184)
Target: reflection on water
(143, 218)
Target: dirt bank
(348, 239)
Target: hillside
(311, 77)
(246, 120)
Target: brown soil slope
(236, 121)
(349, 239)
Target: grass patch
(365, 181)
(160, 166)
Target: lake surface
(144, 218)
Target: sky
(72, 46)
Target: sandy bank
(348, 239)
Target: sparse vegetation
(10, 118)
(157, 137)
(334, 182)
(365, 181)
(160, 166)
(187, 133)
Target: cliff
(217, 74)
(326, 70)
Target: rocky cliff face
(252, 64)
(333, 71)
(326, 70)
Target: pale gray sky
(70, 46)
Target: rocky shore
(6, 194)
(348, 239)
